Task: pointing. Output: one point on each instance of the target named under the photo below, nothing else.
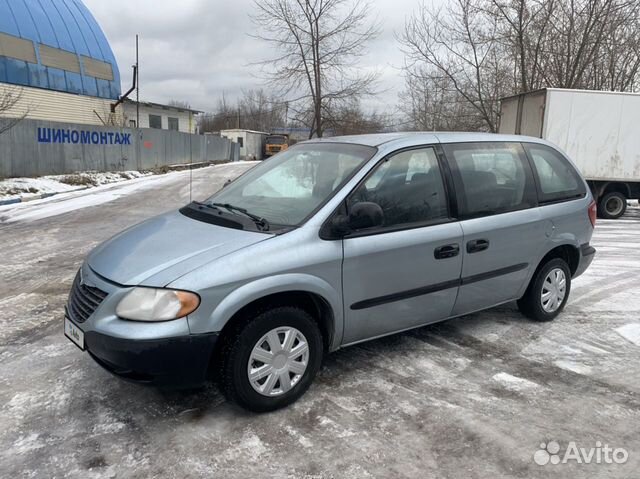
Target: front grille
(83, 300)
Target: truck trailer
(599, 130)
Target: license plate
(74, 333)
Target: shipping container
(599, 131)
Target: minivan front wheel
(272, 360)
(548, 291)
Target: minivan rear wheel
(548, 291)
(272, 359)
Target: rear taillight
(593, 212)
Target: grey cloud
(195, 50)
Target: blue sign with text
(82, 137)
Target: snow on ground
(74, 200)
(471, 397)
(25, 187)
(631, 332)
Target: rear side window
(557, 178)
(491, 178)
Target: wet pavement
(471, 397)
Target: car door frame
(449, 191)
(452, 217)
(532, 196)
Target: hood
(160, 250)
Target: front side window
(557, 179)
(491, 178)
(409, 188)
(290, 186)
(155, 121)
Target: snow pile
(630, 332)
(31, 187)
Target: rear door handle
(447, 251)
(475, 246)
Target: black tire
(234, 379)
(531, 303)
(612, 205)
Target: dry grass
(77, 180)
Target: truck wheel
(612, 205)
(271, 361)
(548, 291)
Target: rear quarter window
(557, 180)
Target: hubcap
(278, 361)
(614, 206)
(554, 289)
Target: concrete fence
(37, 148)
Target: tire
(532, 304)
(612, 205)
(260, 336)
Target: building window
(174, 124)
(240, 141)
(132, 124)
(155, 121)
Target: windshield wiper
(260, 222)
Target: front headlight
(151, 304)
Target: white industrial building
(161, 117)
(50, 105)
(251, 142)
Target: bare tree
(478, 51)
(458, 43)
(254, 110)
(319, 44)
(11, 112)
(351, 119)
(430, 104)
(262, 112)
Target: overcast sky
(194, 50)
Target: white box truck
(599, 130)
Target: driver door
(405, 273)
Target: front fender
(283, 283)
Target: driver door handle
(447, 251)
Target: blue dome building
(56, 45)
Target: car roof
(422, 138)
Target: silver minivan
(328, 244)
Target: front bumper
(587, 254)
(172, 362)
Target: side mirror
(226, 183)
(365, 215)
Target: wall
(41, 104)
(37, 148)
(44, 104)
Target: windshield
(286, 189)
(276, 140)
